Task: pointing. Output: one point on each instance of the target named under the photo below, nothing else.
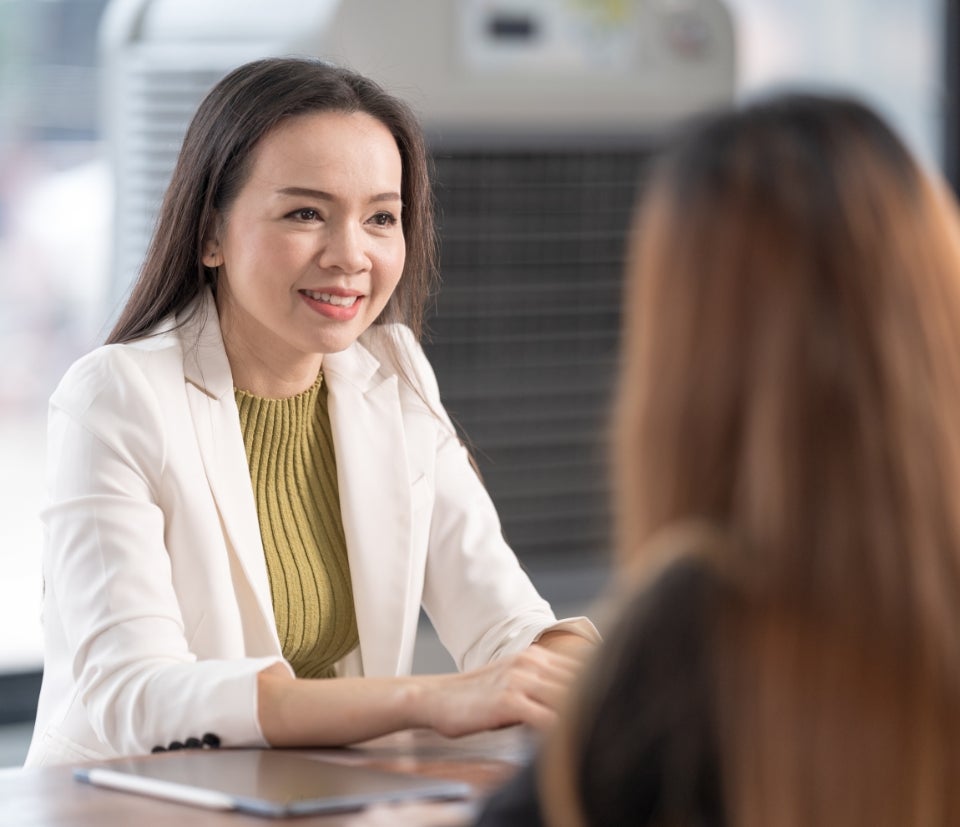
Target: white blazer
(157, 610)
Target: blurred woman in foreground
(787, 460)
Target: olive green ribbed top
(294, 473)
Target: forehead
(330, 147)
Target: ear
(212, 254)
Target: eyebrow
(307, 192)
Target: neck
(266, 366)
(260, 377)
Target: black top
(648, 747)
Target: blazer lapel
(213, 408)
(368, 435)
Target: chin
(335, 344)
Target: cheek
(256, 243)
(239, 253)
(392, 266)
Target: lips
(341, 307)
(336, 299)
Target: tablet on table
(266, 782)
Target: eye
(305, 214)
(384, 219)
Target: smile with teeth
(330, 298)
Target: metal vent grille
(524, 339)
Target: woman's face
(311, 248)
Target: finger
(548, 693)
(545, 686)
(546, 669)
(533, 713)
(541, 661)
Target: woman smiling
(254, 485)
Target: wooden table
(50, 797)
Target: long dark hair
(792, 375)
(791, 379)
(791, 365)
(214, 163)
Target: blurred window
(890, 52)
(53, 230)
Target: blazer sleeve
(479, 599)
(108, 574)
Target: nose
(344, 249)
